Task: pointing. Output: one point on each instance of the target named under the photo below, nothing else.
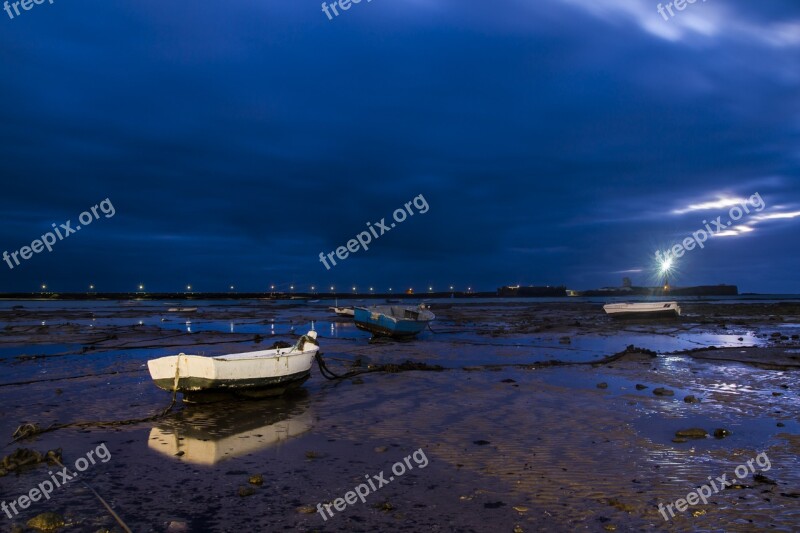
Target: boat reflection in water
(208, 434)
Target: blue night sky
(554, 141)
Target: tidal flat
(527, 426)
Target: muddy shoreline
(512, 441)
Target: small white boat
(278, 368)
(643, 310)
(343, 311)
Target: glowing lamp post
(664, 270)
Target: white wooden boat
(343, 311)
(248, 371)
(643, 310)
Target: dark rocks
(481, 442)
(761, 478)
(639, 386)
(721, 433)
(691, 399)
(493, 505)
(635, 349)
(46, 522)
(22, 457)
(244, 492)
(661, 391)
(602, 385)
(617, 504)
(692, 433)
(385, 507)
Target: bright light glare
(705, 206)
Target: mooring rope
(407, 366)
(26, 431)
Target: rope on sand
(408, 366)
(115, 372)
(26, 431)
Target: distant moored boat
(643, 310)
(342, 311)
(393, 320)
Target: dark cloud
(553, 141)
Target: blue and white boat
(393, 320)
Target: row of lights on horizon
(140, 288)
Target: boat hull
(194, 383)
(643, 310)
(276, 368)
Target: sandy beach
(526, 426)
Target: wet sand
(511, 440)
